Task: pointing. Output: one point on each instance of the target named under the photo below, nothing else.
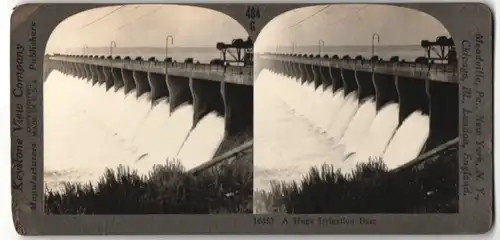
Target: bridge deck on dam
(242, 75)
(435, 72)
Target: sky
(336, 25)
(146, 26)
(350, 24)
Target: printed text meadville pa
(473, 119)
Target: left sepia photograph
(148, 109)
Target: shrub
(166, 189)
(370, 188)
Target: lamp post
(293, 47)
(85, 49)
(166, 50)
(374, 36)
(112, 45)
(321, 45)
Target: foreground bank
(167, 189)
(429, 187)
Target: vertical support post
(374, 36)
(321, 45)
(166, 51)
(111, 46)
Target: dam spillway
(360, 96)
(361, 110)
(200, 92)
(431, 89)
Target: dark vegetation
(431, 187)
(167, 189)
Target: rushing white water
(376, 139)
(189, 157)
(407, 141)
(297, 127)
(359, 125)
(331, 108)
(285, 144)
(343, 117)
(87, 128)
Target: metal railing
(196, 67)
(427, 156)
(434, 71)
(229, 155)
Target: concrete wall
(412, 97)
(238, 115)
(336, 76)
(141, 83)
(128, 80)
(88, 73)
(317, 76)
(366, 87)
(207, 97)
(180, 92)
(326, 79)
(444, 108)
(101, 79)
(109, 80)
(385, 89)
(349, 81)
(117, 78)
(158, 85)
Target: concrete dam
(208, 88)
(430, 89)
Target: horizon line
(170, 47)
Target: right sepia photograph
(356, 110)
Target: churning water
(298, 127)
(87, 129)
